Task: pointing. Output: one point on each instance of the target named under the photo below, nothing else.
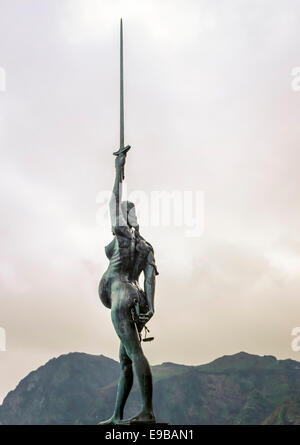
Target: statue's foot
(143, 417)
(114, 421)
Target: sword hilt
(123, 150)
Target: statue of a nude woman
(129, 254)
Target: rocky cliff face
(286, 413)
(79, 388)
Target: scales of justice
(129, 255)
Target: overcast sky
(209, 107)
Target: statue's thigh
(123, 296)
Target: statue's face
(131, 217)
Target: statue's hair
(126, 206)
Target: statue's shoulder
(143, 246)
(122, 234)
(147, 251)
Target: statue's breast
(120, 253)
(109, 249)
(120, 244)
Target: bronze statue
(131, 306)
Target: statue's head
(128, 210)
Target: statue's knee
(127, 368)
(125, 361)
(138, 355)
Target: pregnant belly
(117, 290)
(104, 290)
(111, 279)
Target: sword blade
(121, 88)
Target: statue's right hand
(120, 161)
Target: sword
(122, 148)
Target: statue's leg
(124, 387)
(125, 382)
(125, 328)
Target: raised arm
(116, 215)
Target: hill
(79, 388)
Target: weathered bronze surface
(131, 306)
